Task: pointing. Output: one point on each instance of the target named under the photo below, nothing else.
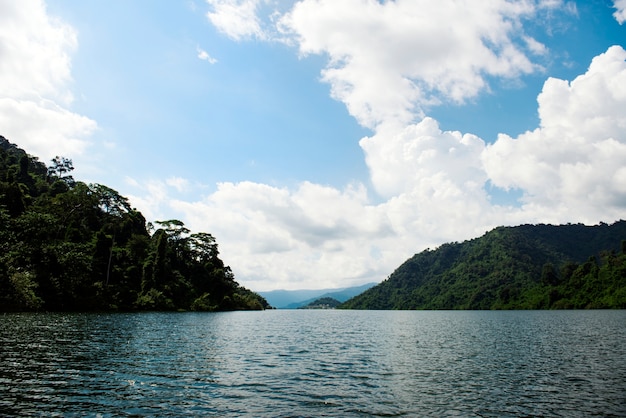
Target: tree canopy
(66, 245)
(523, 267)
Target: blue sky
(257, 113)
(324, 142)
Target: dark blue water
(315, 363)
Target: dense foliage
(67, 245)
(524, 267)
(322, 303)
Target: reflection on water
(315, 363)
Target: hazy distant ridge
(293, 299)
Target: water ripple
(315, 363)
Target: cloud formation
(620, 13)
(570, 169)
(274, 236)
(35, 72)
(237, 19)
(388, 64)
(574, 162)
(391, 60)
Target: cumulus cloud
(44, 128)
(388, 64)
(572, 163)
(35, 51)
(319, 236)
(400, 161)
(391, 60)
(279, 238)
(620, 13)
(237, 19)
(570, 169)
(35, 72)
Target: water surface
(304, 363)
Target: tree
(110, 200)
(66, 245)
(549, 275)
(203, 247)
(60, 168)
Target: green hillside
(67, 246)
(322, 303)
(523, 267)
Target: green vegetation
(524, 267)
(322, 303)
(70, 246)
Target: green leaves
(66, 245)
(525, 267)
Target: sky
(322, 143)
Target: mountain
(523, 267)
(293, 299)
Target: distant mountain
(523, 267)
(322, 303)
(293, 299)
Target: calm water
(315, 363)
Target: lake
(310, 363)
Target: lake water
(305, 363)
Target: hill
(70, 246)
(523, 267)
(293, 299)
(322, 303)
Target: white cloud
(570, 169)
(391, 60)
(277, 238)
(320, 236)
(400, 161)
(535, 46)
(572, 163)
(43, 128)
(620, 13)
(388, 63)
(179, 183)
(152, 199)
(34, 51)
(204, 56)
(35, 71)
(236, 18)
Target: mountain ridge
(522, 267)
(293, 299)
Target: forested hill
(66, 245)
(523, 267)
